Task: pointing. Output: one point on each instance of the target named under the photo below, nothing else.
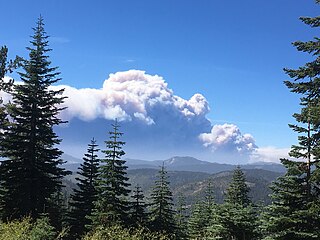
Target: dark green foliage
(209, 202)
(294, 212)
(138, 207)
(203, 214)
(161, 205)
(234, 222)
(236, 218)
(82, 201)
(112, 205)
(196, 223)
(291, 215)
(181, 217)
(237, 192)
(3, 112)
(31, 172)
(5, 66)
(3, 61)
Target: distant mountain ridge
(178, 163)
(194, 165)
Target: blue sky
(231, 52)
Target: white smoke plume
(228, 138)
(127, 96)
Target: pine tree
(4, 122)
(82, 201)
(237, 192)
(112, 205)
(306, 83)
(236, 218)
(161, 206)
(209, 202)
(295, 209)
(31, 171)
(138, 207)
(290, 216)
(5, 67)
(203, 215)
(181, 217)
(196, 221)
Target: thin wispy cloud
(61, 40)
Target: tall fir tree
(82, 201)
(6, 66)
(289, 216)
(112, 205)
(4, 122)
(237, 192)
(181, 217)
(203, 214)
(236, 218)
(295, 209)
(161, 204)
(4, 87)
(196, 222)
(209, 201)
(32, 172)
(138, 207)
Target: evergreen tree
(4, 122)
(5, 67)
(237, 215)
(209, 202)
(203, 215)
(181, 217)
(295, 209)
(161, 206)
(82, 201)
(196, 222)
(237, 192)
(3, 87)
(290, 215)
(234, 222)
(138, 207)
(236, 218)
(112, 205)
(8, 66)
(306, 83)
(31, 171)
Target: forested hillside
(192, 184)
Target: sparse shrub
(119, 233)
(28, 230)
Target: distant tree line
(32, 204)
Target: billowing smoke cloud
(228, 138)
(156, 122)
(128, 96)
